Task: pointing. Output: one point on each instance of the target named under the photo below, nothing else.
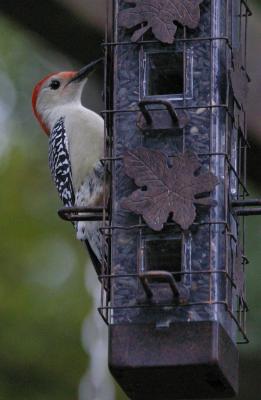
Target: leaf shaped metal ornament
(239, 278)
(239, 118)
(239, 80)
(161, 16)
(166, 191)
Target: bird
(76, 137)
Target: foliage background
(42, 296)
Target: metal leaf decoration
(239, 81)
(239, 119)
(166, 191)
(239, 277)
(161, 16)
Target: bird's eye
(54, 85)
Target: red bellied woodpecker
(75, 146)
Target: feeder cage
(172, 279)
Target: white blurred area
(96, 384)
(7, 107)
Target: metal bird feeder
(173, 285)
(173, 293)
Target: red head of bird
(57, 90)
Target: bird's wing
(59, 163)
(60, 166)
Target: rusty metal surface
(246, 203)
(154, 121)
(239, 84)
(247, 207)
(239, 80)
(166, 192)
(183, 361)
(174, 292)
(74, 214)
(159, 276)
(248, 211)
(162, 17)
(240, 273)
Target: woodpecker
(75, 146)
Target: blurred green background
(43, 301)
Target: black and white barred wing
(59, 163)
(60, 166)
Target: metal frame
(238, 315)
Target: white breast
(85, 132)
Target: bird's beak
(85, 71)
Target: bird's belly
(85, 147)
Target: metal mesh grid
(234, 172)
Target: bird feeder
(172, 279)
(173, 291)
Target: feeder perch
(158, 121)
(75, 214)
